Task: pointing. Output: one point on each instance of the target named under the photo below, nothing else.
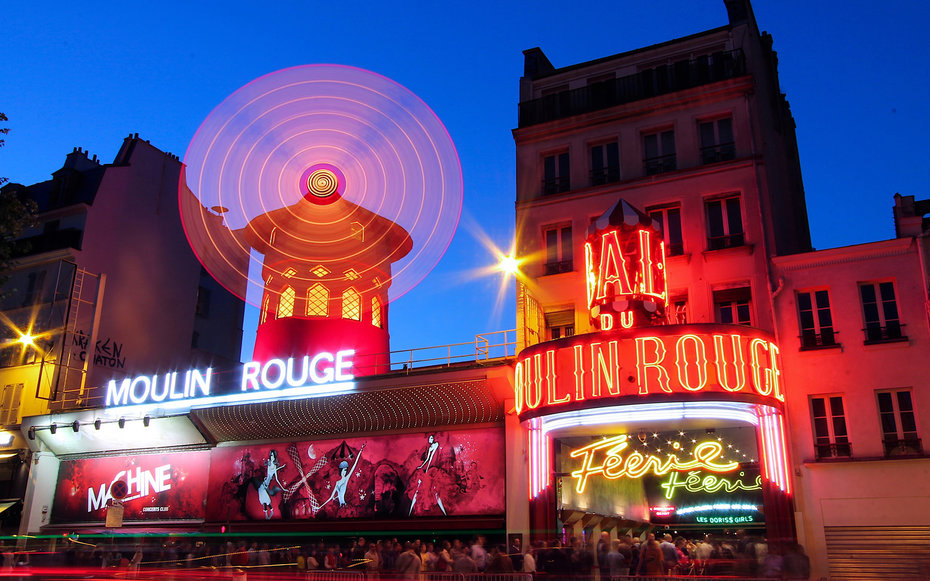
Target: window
(605, 163)
(899, 426)
(202, 309)
(669, 220)
(880, 312)
(733, 306)
(357, 230)
(677, 311)
(724, 223)
(659, 152)
(9, 403)
(376, 319)
(830, 437)
(560, 324)
(556, 174)
(35, 284)
(351, 304)
(286, 303)
(815, 321)
(317, 301)
(559, 250)
(717, 140)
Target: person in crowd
(462, 562)
(616, 562)
(478, 554)
(796, 564)
(529, 560)
(408, 562)
(602, 549)
(372, 561)
(499, 561)
(515, 550)
(444, 557)
(652, 561)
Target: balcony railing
(678, 76)
(891, 332)
(675, 249)
(605, 175)
(825, 339)
(559, 267)
(556, 185)
(726, 241)
(660, 164)
(719, 152)
(895, 447)
(833, 450)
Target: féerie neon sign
(696, 482)
(605, 458)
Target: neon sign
(614, 465)
(727, 359)
(323, 374)
(625, 273)
(696, 482)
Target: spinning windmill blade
(311, 132)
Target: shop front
(643, 424)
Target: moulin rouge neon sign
(664, 360)
(322, 374)
(625, 277)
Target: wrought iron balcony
(727, 241)
(678, 76)
(719, 152)
(660, 164)
(895, 447)
(833, 450)
(556, 185)
(605, 175)
(891, 332)
(559, 267)
(825, 339)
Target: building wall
(859, 484)
(119, 224)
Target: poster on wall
(158, 487)
(452, 473)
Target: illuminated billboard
(159, 487)
(447, 473)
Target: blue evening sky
(89, 73)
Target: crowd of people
(607, 559)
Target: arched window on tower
(376, 319)
(317, 301)
(286, 304)
(351, 304)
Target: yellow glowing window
(289, 273)
(317, 301)
(377, 282)
(376, 312)
(358, 231)
(265, 308)
(319, 271)
(352, 274)
(351, 304)
(286, 304)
